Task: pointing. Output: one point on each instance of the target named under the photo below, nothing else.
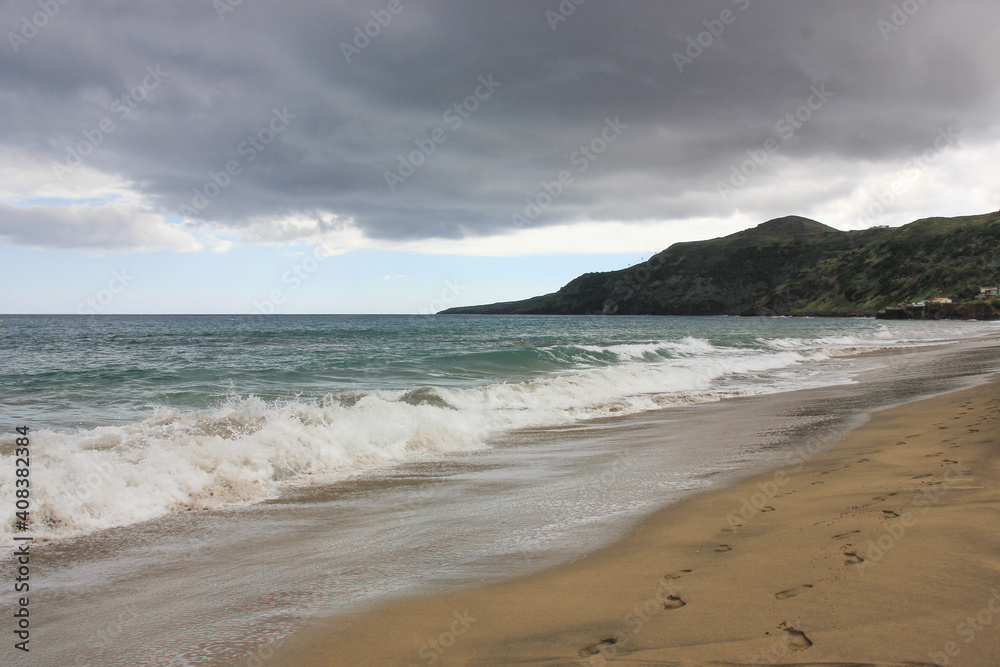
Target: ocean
(224, 479)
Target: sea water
(137, 417)
(203, 485)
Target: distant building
(942, 299)
(987, 292)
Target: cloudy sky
(405, 155)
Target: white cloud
(592, 237)
(24, 178)
(86, 210)
(114, 227)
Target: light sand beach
(882, 551)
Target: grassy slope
(789, 266)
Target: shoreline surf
(544, 497)
(886, 563)
(243, 448)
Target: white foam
(686, 347)
(246, 450)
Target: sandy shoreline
(883, 550)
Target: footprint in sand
(847, 534)
(792, 592)
(673, 602)
(767, 508)
(889, 513)
(930, 474)
(796, 639)
(863, 460)
(852, 558)
(950, 461)
(723, 548)
(594, 649)
(676, 575)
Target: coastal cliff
(788, 266)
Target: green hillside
(788, 266)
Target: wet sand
(881, 551)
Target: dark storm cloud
(206, 122)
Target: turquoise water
(66, 371)
(173, 413)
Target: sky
(402, 156)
